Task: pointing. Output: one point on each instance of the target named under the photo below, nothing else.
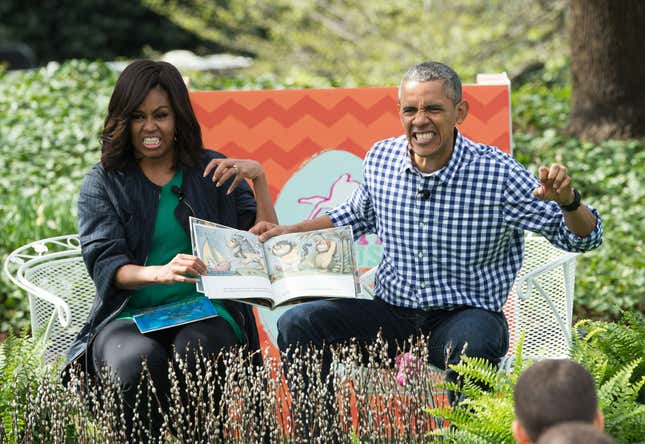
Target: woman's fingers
(234, 184)
(188, 264)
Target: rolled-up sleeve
(357, 212)
(525, 211)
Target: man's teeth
(424, 137)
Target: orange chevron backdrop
(285, 128)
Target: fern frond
(454, 415)
(488, 418)
(518, 364)
(637, 414)
(619, 387)
(477, 370)
(459, 436)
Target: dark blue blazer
(116, 219)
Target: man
(551, 392)
(451, 215)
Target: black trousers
(122, 348)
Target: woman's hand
(227, 168)
(179, 269)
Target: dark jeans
(121, 347)
(336, 321)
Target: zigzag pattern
(289, 116)
(284, 129)
(232, 130)
(481, 101)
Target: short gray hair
(427, 71)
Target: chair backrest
(59, 288)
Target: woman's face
(152, 127)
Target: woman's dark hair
(131, 89)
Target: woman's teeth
(151, 142)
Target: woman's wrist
(260, 178)
(151, 273)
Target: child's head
(550, 392)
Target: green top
(168, 240)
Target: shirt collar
(448, 171)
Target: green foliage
(614, 353)
(609, 179)
(611, 351)
(617, 343)
(66, 29)
(485, 415)
(49, 139)
(20, 372)
(204, 81)
(372, 43)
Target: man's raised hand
(555, 185)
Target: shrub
(254, 401)
(73, 29)
(611, 351)
(612, 277)
(50, 138)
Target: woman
(133, 214)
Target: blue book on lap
(174, 314)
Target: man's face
(429, 118)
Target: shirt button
(420, 253)
(423, 285)
(422, 224)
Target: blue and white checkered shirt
(464, 244)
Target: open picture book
(285, 270)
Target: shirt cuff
(588, 242)
(339, 216)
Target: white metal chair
(60, 290)
(540, 304)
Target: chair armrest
(527, 280)
(17, 265)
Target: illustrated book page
(285, 270)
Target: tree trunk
(608, 68)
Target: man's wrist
(574, 205)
